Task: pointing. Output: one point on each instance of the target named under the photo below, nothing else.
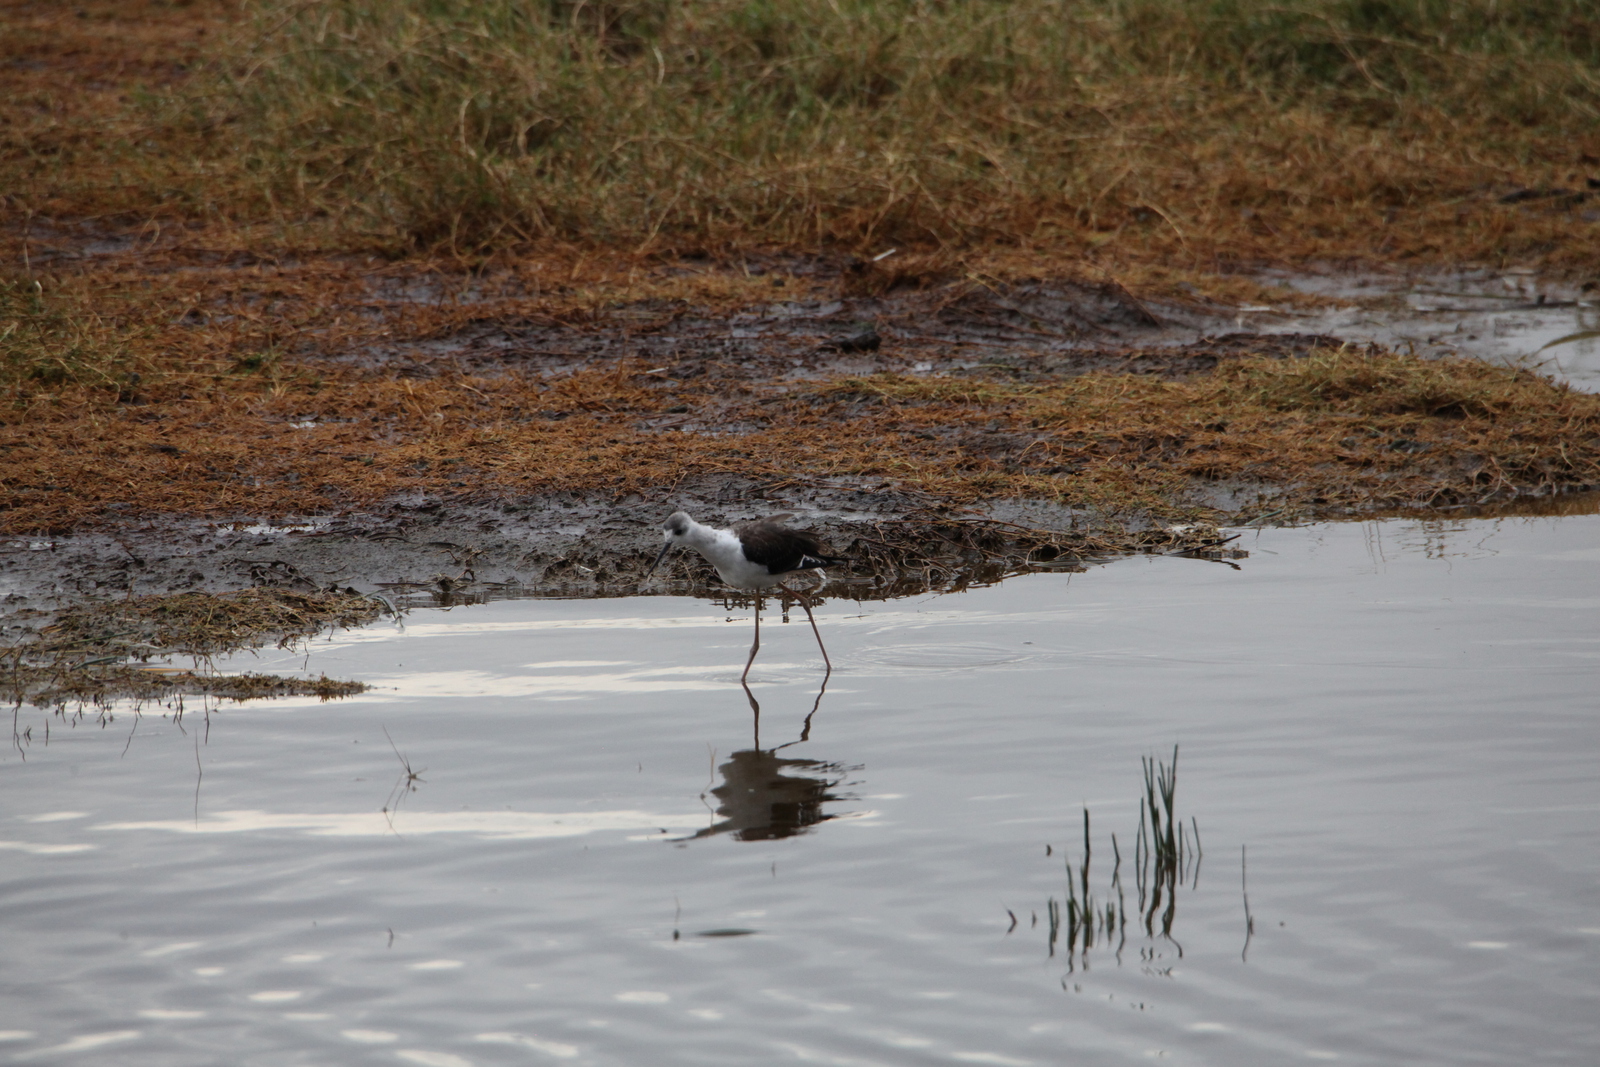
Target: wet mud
(830, 318)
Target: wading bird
(754, 555)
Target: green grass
(473, 124)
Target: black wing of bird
(768, 543)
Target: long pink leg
(756, 646)
(804, 602)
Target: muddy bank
(429, 551)
(83, 612)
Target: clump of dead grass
(1369, 384)
(58, 685)
(203, 624)
(924, 551)
(89, 653)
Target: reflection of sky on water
(555, 686)
(1487, 314)
(485, 825)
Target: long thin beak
(664, 550)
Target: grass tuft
(1359, 383)
(50, 341)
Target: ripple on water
(938, 657)
(369, 1037)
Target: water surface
(1510, 317)
(600, 862)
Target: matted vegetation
(90, 653)
(57, 686)
(1342, 429)
(204, 624)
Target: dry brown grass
(89, 129)
(168, 377)
(1342, 429)
(203, 624)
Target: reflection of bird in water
(754, 555)
(759, 801)
(764, 796)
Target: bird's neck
(718, 546)
(700, 536)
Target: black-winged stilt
(754, 555)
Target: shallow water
(1507, 317)
(1397, 720)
